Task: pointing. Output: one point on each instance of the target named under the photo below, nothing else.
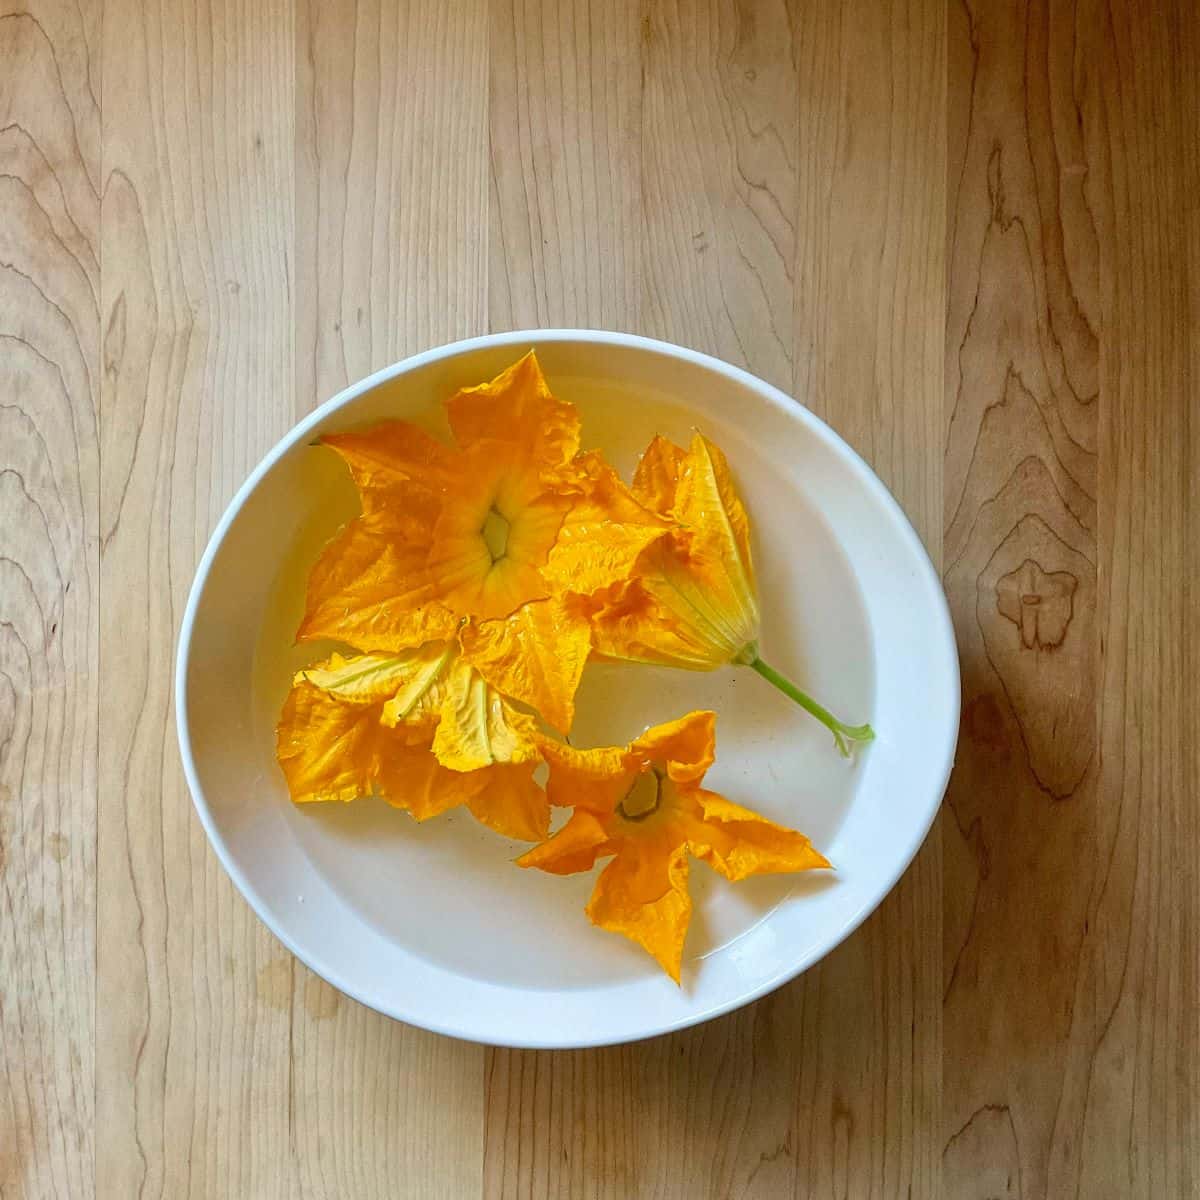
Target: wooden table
(967, 235)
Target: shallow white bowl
(431, 923)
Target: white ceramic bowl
(431, 923)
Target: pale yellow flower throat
(495, 534)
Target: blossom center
(643, 797)
(495, 534)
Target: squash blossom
(340, 737)
(692, 601)
(486, 543)
(643, 805)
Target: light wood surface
(966, 235)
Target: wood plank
(719, 182)
(869, 328)
(391, 191)
(193, 1027)
(391, 188)
(1071, 881)
(49, 592)
(565, 106)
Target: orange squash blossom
(691, 600)
(373, 725)
(644, 805)
(487, 540)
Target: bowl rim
(941, 630)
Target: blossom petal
(478, 728)
(426, 788)
(381, 456)
(331, 750)
(370, 587)
(419, 693)
(535, 529)
(511, 803)
(630, 624)
(517, 406)
(687, 745)
(536, 655)
(575, 847)
(492, 591)
(603, 533)
(739, 843)
(643, 893)
(593, 779)
(481, 475)
(370, 678)
(656, 479)
(708, 504)
(689, 580)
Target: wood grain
(868, 336)
(565, 218)
(965, 234)
(391, 184)
(1071, 880)
(719, 186)
(196, 239)
(49, 593)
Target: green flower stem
(844, 736)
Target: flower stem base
(845, 737)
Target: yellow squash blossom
(422, 730)
(644, 805)
(487, 541)
(692, 600)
